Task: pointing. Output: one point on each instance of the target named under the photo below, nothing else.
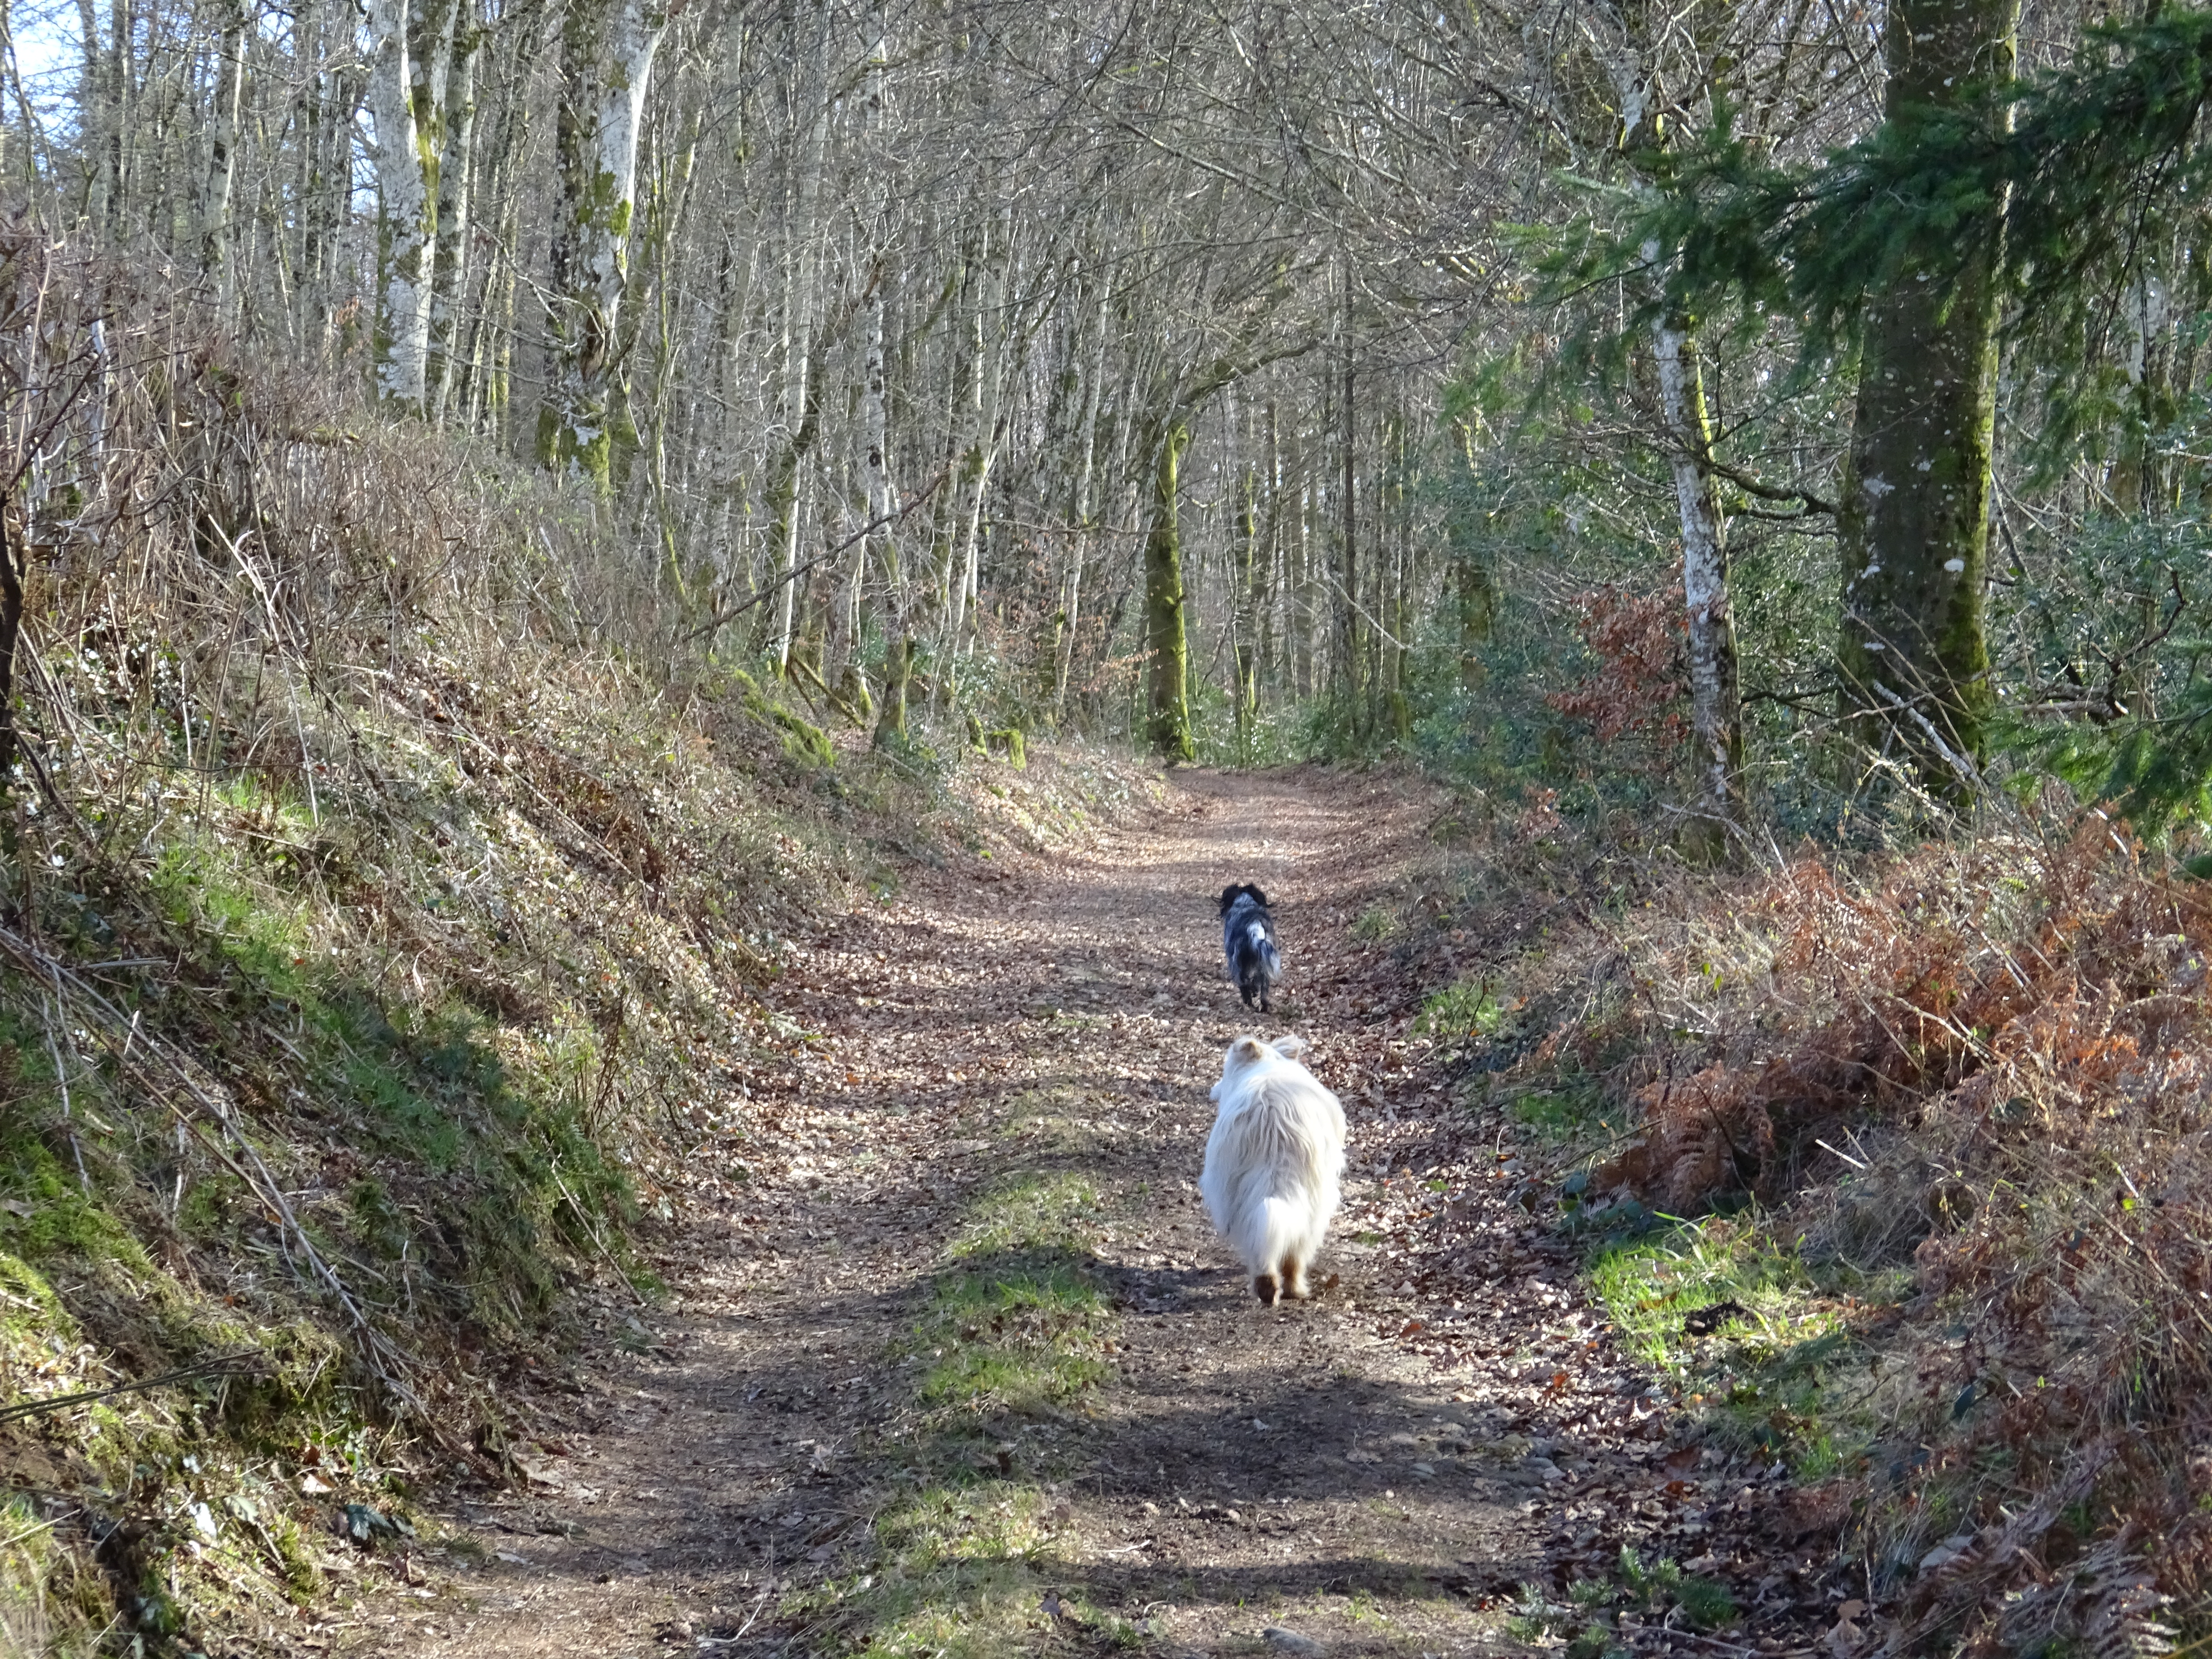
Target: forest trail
(1007, 1085)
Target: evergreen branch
(2055, 180)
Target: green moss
(1016, 1340)
(804, 741)
(1467, 1009)
(1780, 1373)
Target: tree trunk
(1914, 520)
(898, 669)
(1245, 608)
(1399, 704)
(310, 112)
(811, 23)
(449, 289)
(1345, 604)
(1716, 710)
(406, 213)
(1080, 518)
(223, 154)
(491, 347)
(99, 119)
(1167, 713)
(607, 48)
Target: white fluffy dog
(1272, 1163)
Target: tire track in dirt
(1048, 1017)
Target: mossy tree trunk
(1475, 610)
(898, 671)
(1914, 521)
(1400, 534)
(1167, 641)
(607, 49)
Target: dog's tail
(1271, 964)
(1273, 1228)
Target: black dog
(1247, 939)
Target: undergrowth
(1596, 1617)
(1898, 1171)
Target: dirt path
(951, 1361)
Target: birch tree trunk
(801, 255)
(1716, 708)
(881, 551)
(607, 49)
(972, 470)
(406, 213)
(1716, 702)
(1081, 519)
(449, 289)
(223, 154)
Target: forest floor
(951, 1361)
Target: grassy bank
(381, 912)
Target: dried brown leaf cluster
(1637, 684)
(1994, 1060)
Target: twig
(792, 574)
(62, 1402)
(1767, 492)
(1957, 762)
(592, 1233)
(31, 1531)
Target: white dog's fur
(1272, 1163)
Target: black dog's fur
(1247, 939)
